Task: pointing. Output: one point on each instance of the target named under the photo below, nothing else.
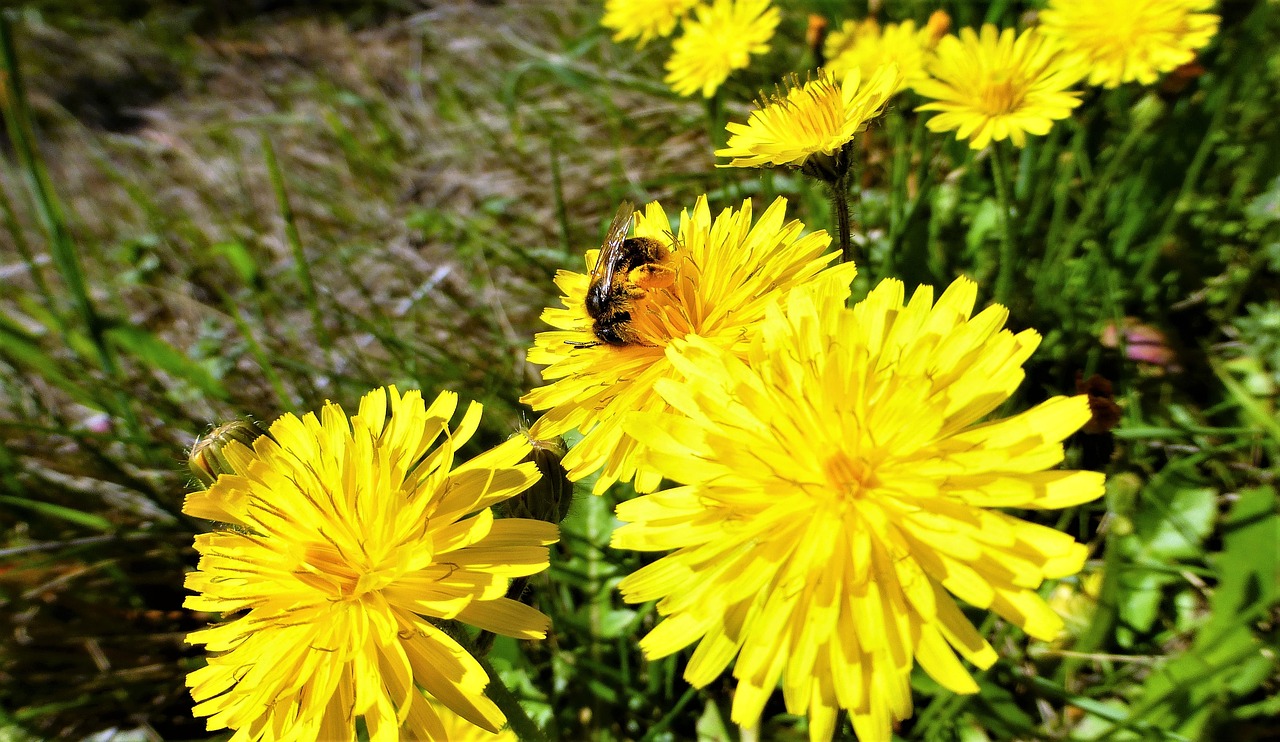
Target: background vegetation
(213, 210)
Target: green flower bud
(206, 458)
(550, 497)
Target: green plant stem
(715, 121)
(500, 694)
(844, 226)
(1000, 174)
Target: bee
(626, 270)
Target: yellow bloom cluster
(835, 481)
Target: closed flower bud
(206, 458)
(550, 497)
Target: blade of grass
(294, 240)
(65, 256)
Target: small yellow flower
(997, 86)
(817, 120)
(835, 487)
(1120, 41)
(349, 538)
(866, 46)
(722, 39)
(643, 20)
(727, 271)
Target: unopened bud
(550, 497)
(937, 26)
(207, 459)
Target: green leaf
(158, 354)
(88, 520)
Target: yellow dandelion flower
(996, 86)
(643, 20)
(816, 121)
(866, 46)
(720, 40)
(834, 487)
(349, 538)
(1120, 41)
(727, 272)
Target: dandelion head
(836, 488)
(348, 539)
(720, 39)
(727, 270)
(817, 120)
(998, 85)
(1121, 41)
(643, 20)
(867, 46)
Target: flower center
(850, 478)
(1001, 96)
(328, 570)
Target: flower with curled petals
(348, 539)
(811, 126)
(1121, 41)
(836, 488)
(999, 85)
(727, 271)
(720, 39)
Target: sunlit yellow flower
(347, 538)
(720, 40)
(643, 20)
(1119, 41)
(728, 270)
(867, 46)
(997, 86)
(817, 120)
(835, 487)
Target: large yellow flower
(817, 120)
(348, 538)
(997, 86)
(835, 487)
(643, 20)
(728, 270)
(866, 46)
(1119, 41)
(720, 40)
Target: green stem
(500, 694)
(715, 123)
(844, 227)
(1000, 174)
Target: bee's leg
(652, 276)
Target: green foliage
(317, 209)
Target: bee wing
(613, 240)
